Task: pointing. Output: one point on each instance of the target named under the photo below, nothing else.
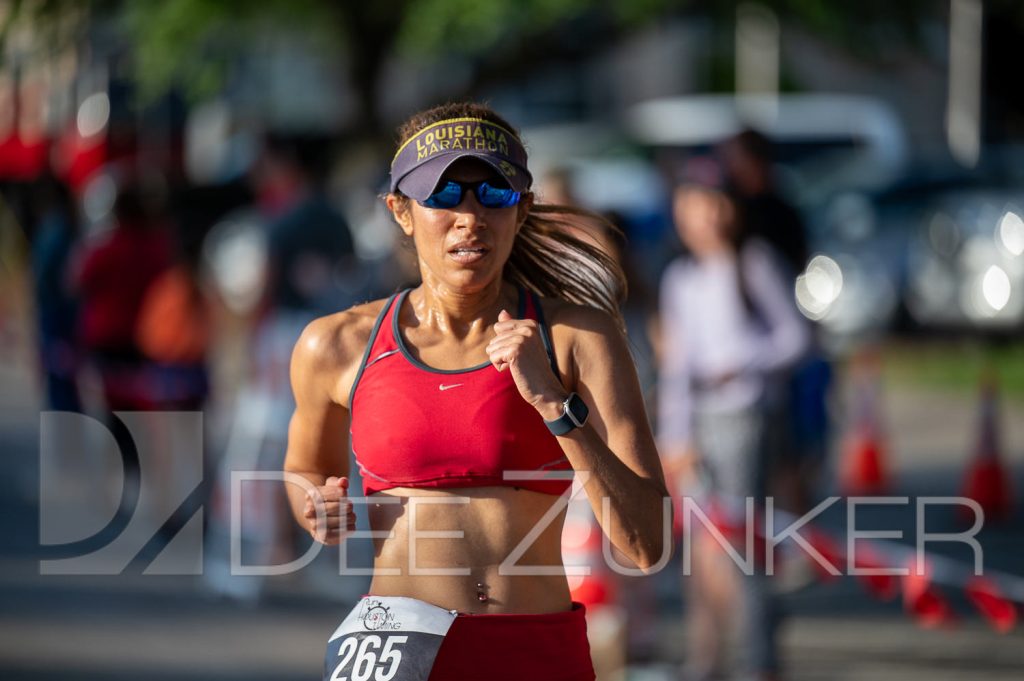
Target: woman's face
(465, 247)
(703, 220)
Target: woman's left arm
(615, 448)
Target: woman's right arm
(321, 369)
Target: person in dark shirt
(747, 157)
(798, 429)
(310, 240)
(54, 237)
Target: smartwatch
(574, 415)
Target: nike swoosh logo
(448, 387)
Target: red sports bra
(415, 426)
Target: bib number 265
(369, 657)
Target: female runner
(470, 402)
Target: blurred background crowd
(821, 209)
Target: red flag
(997, 609)
(924, 602)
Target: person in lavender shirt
(730, 329)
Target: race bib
(387, 638)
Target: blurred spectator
(747, 157)
(309, 240)
(173, 332)
(797, 426)
(640, 310)
(620, 610)
(637, 596)
(113, 279)
(309, 247)
(609, 234)
(114, 275)
(556, 187)
(729, 326)
(54, 235)
(310, 263)
(803, 433)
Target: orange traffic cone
(986, 480)
(863, 470)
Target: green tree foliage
(192, 43)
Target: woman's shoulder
(334, 344)
(586, 339)
(572, 324)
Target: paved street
(134, 626)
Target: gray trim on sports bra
(369, 346)
(545, 333)
(545, 338)
(420, 365)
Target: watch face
(578, 410)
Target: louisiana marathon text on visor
(423, 158)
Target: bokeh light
(819, 286)
(1011, 232)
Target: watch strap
(565, 423)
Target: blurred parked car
(823, 142)
(833, 154)
(966, 261)
(939, 249)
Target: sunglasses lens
(489, 196)
(448, 196)
(496, 197)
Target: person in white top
(730, 328)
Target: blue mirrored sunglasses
(449, 194)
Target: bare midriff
(468, 568)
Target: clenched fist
(328, 511)
(517, 346)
